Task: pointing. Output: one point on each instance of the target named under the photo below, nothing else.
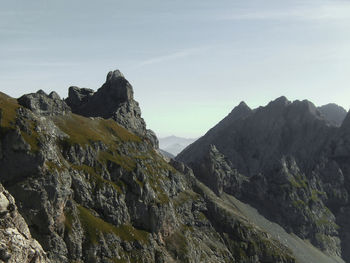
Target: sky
(190, 61)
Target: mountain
(287, 161)
(16, 242)
(334, 113)
(86, 177)
(174, 144)
(115, 100)
(166, 154)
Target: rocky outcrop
(16, 242)
(294, 162)
(78, 96)
(115, 99)
(43, 104)
(217, 172)
(333, 113)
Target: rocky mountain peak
(115, 100)
(243, 104)
(241, 111)
(333, 113)
(241, 107)
(304, 108)
(107, 100)
(43, 104)
(77, 96)
(280, 101)
(264, 135)
(113, 75)
(117, 87)
(287, 155)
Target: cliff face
(16, 242)
(115, 99)
(91, 186)
(293, 165)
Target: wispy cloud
(337, 10)
(32, 64)
(172, 56)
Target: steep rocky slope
(286, 160)
(16, 242)
(115, 99)
(333, 113)
(90, 184)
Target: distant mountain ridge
(290, 160)
(174, 144)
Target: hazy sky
(190, 62)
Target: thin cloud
(332, 11)
(39, 63)
(173, 56)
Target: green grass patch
(184, 197)
(94, 226)
(98, 179)
(110, 126)
(124, 161)
(32, 139)
(156, 184)
(51, 166)
(298, 182)
(300, 204)
(8, 116)
(177, 245)
(8, 111)
(82, 130)
(315, 195)
(68, 222)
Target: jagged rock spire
(115, 99)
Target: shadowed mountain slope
(333, 113)
(288, 161)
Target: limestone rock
(77, 96)
(43, 104)
(16, 242)
(115, 99)
(216, 171)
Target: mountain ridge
(174, 144)
(285, 154)
(334, 113)
(93, 190)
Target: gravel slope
(303, 250)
